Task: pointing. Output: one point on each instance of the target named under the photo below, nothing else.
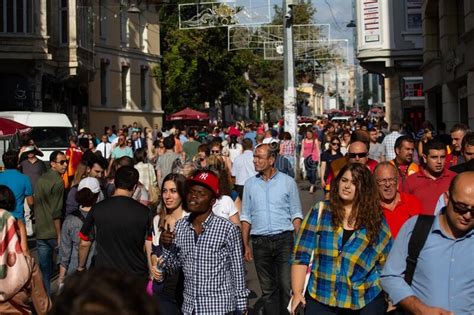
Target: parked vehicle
(50, 132)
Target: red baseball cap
(208, 179)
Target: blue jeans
(375, 307)
(271, 256)
(45, 256)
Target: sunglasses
(62, 162)
(385, 181)
(355, 155)
(461, 208)
(335, 143)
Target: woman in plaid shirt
(350, 245)
(287, 148)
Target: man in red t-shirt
(397, 206)
(433, 180)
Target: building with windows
(90, 59)
(448, 71)
(123, 89)
(390, 43)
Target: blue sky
(342, 10)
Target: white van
(51, 131)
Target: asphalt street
(307, 201)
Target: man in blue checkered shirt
(208, 248)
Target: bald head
(358, 152)
(463, 183)
(460, 208)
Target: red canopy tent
(9, 128)
(188, 114)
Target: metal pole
(337, 89)
(289, 93)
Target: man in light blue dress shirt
(443, 282)
(271, 214)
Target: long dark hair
(180, 182)
(366, 210)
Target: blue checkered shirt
(213, 266)
(342, 276)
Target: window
(125, 85)
(460, 17)
(144, 86)
(16, 16)
(103, 81)
(123, 26)
(102, 19)
(63, 22)
(414, 21)
(84, 22)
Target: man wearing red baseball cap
(208, 248)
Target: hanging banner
(371, 21)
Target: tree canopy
(197, 67)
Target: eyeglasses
(359, 155)
(462, 209)
(385, 181)
(335, 143)
(62, 162)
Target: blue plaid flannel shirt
(341, 276)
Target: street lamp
(351, 24)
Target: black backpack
(417, 242)
(415, 245)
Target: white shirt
(243, 167)
(224, 207)
(234, 152)
(105, 149)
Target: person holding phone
(349, 245)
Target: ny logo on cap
(203, 176)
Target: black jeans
(375, 307)
(271, 256)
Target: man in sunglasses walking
(48, 199)
(442, 280)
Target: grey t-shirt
(165, 163)
(33, 170)
(376, 150)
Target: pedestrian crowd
(162, 221)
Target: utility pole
(289, 94)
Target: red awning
(188, 114)
(10, 128)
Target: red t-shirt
(407, 207)
(428, 190)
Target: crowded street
(236, 157)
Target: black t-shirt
(121, 226)
(328, 158)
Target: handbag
(311, 261)
(15, 270)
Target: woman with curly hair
(350, 241)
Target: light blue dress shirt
(444, 274)
(271, 206)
